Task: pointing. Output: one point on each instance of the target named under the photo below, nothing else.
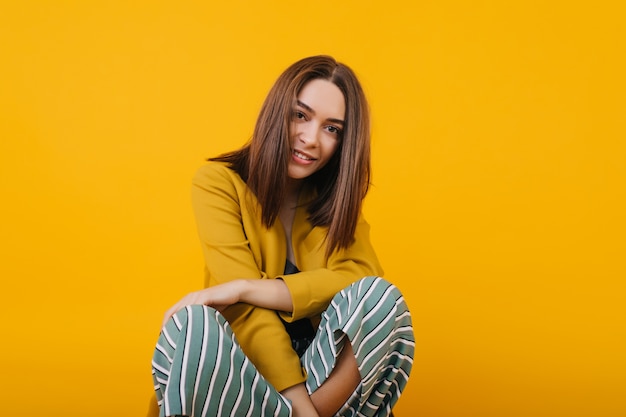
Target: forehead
(323, 97)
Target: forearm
(272, 294)
(300, 401)
(334, 392)
(341, 383)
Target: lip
(295, 155)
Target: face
(316, 127)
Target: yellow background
(497, 206)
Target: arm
(312, 290)
(230, 243)
(300, 401)
(270, 294)
(235, 246)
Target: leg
(200, 370)
(373, 318)
(340, 384)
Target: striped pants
(196, 376)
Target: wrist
(244, 288)
(266, 293)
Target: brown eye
(334, 130)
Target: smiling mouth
(303, 156)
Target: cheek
(330, 148)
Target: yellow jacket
(236, 245)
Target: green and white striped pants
(200, 370)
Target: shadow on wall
(153, 407)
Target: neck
(293, 189)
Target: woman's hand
(266, 293)
(300, 401)
(219, 297)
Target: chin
(299, 174)
(298, 177)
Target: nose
(308, 134)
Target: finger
(170, 313)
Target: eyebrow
(309, 109)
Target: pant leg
(199, 370)
(373, 315)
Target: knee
(372, 311)
(374, 293)
(375, 281)
(377, 288)
(194, 313)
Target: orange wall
(498, 200)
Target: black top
(301, 331)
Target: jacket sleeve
(217, 207)
(313, 289)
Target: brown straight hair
(342, 184)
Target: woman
(286, 250)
